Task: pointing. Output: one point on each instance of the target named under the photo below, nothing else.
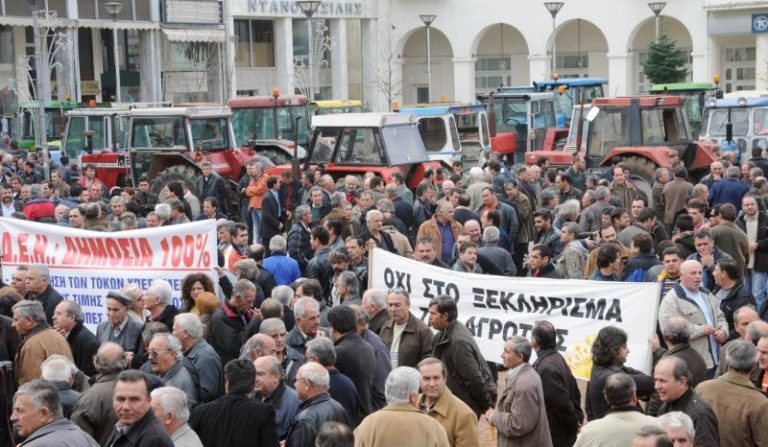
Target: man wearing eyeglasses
(165, 359)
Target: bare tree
(388, 82)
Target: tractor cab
(696, 95)
(571, 92)
(452, 131)
(271, 125)
(519, 122)
(736, 124)
(356, 143)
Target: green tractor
(55, 123)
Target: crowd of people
(287, 345)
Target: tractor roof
(734, 103)
(191, 112)
(645, 101)
(682, 87)
(519, 95)
(362, 120)
(442, 109)
(333, 103)
(263, 102)
(570, 82)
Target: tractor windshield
(54, 124)
(718, 118)
(260, 124)
(360, 146)
(571, 97)
(167, 132)
(325, 143)
(76, 141)
(210, 134)
(610, 129)
(511, 114)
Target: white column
(284, 54)
(538, 66)
(463, 79)
(619, 75)
(700, 66)
(150, 73)
(373, 65)
(98, 62)
(339, 65)
(761, 59)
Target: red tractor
(169, 143)
(639, 130)
(274, 126)
(356, 143)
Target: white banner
(85, 265)
(496, 307)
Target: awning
(27, 21)
(119, 24)
(194, 35)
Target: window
(491, 73)
(322, 36)
(255, 43)
(607, 131)
(432, 130)
(719, 118)
(6, 45)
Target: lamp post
(657, 7)
(428, 19)
(553, 8)
(42, 86)
(309, 8)
(114, 8)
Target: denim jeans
(758, 280)
(256, 220)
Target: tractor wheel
(180, 173)
(643, 173)
(277, 156)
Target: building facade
(374, 50)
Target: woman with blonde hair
(206, 305)
(135, 310)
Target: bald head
(258, 346)
(756, 330)
(110, 358)
(742, 317)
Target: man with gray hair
(284, 269)
(157, 300)
(68, 321)
(679, 428)
(228, 324)
(591, 216)
(37, 416)
(316, 407)
(38, 208)
(289, 358)
(170, 407)
(298, 244)
(340, 387)
(374, 303)
(495, 254)
(259, 345)
(348, 288)
(61, 371)
(401, 423)
(93, 412)
(741, 409)
(677, 335)
(38, 341)
(271, 389)
(383, 364)
(166, 361)
(729, 190)
(188, 329)
(373, 236)
(38, 282)
(574, 256)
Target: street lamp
(428, 19)
(553, 8)
(657, 7)
(114, 8)
(309, 8)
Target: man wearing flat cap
(119, 327)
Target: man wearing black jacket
(562, 397)
(227, 328)
(272, 213)
(136, 422)
(211, 184)
(39, 289)
(354, 357)
(236, 420)
(68, 321)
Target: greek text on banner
(495, 307)
(85, 265)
